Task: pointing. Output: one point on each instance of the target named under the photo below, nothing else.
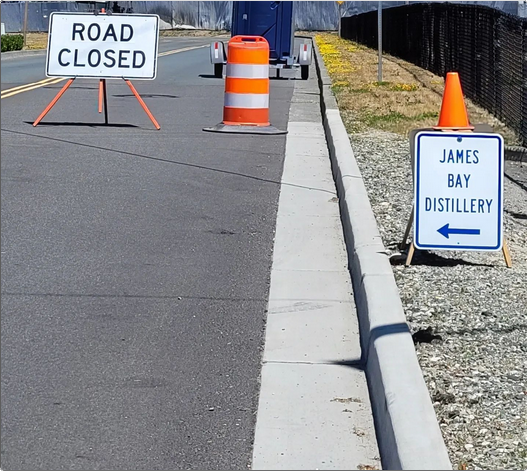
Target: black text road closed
(102, 46)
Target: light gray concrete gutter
(408, 434)
(23, 53)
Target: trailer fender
(305, 54)
(217, 53)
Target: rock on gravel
(476, 372)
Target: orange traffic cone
(453, 113)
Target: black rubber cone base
(240, 129)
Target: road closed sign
(458, 191)
(102, 46)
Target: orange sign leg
(143, 105)
(105, 99)
(53, 102)
(100, 107)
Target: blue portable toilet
(272, 20)
(275, 22)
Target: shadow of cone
(453, 115)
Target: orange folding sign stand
(102, 98)
(102, 103)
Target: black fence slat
(487, 47)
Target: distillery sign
(102, 46)
(458, 191)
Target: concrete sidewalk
(314, 409)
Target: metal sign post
(379, 18)
(340, 13)
(25, 22)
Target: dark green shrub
(12, 42)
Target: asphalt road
(135, 271)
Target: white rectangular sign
(458, 191)
(102, 46)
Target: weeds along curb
(408, 434)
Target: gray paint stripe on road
(314, 411)
(176, 51)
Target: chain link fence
(488, 48)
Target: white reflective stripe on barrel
(246, 100)
(248, 71)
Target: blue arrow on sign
(446, 231)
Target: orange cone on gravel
(453, 113)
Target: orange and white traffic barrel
(247, 83)
(246, 96)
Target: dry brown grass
(194, 33)
(36, 40)
(408, 97)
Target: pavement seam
(359, 363)
(409, 437)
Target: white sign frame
(102, 71)
(459, 230)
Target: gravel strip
(476, 371)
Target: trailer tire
(304, 72)
(217, 68)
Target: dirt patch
(195, 33)
(36, 40)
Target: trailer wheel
(218, 70)
(304, 72)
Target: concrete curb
(408, 434)
(29, 52)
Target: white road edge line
(176, 51)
